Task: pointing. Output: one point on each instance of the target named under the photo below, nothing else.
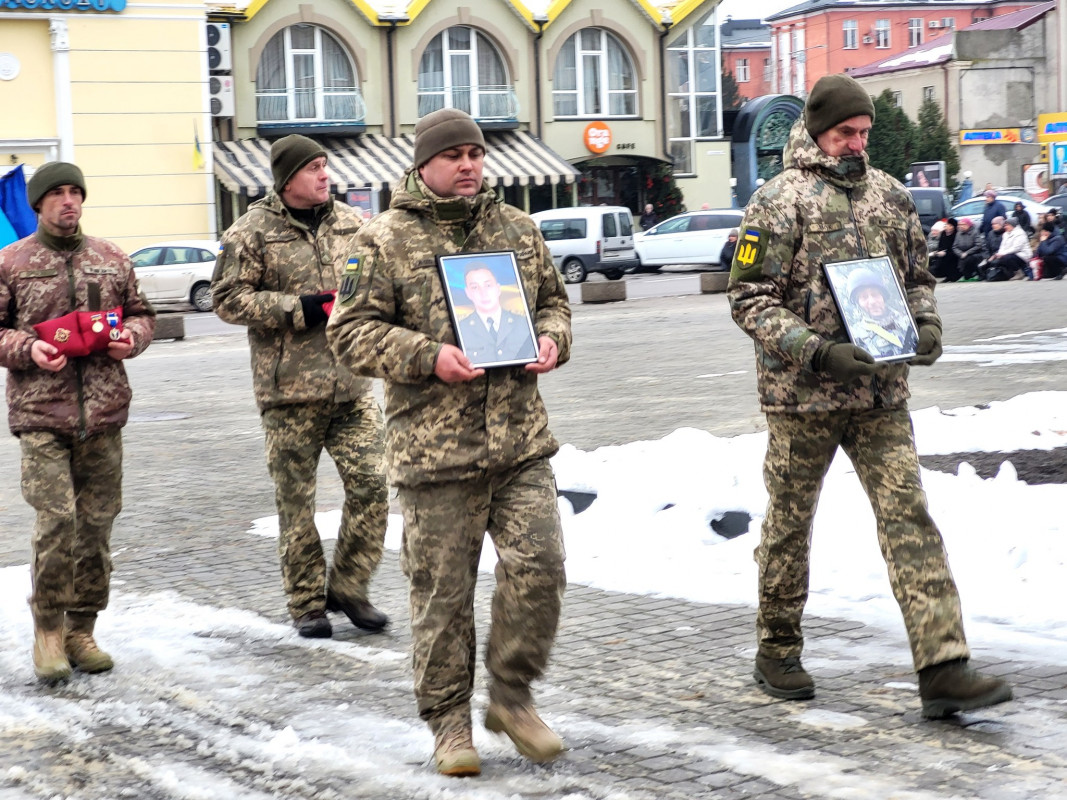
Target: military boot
(784, 678)
(80, 645)
(313, 625)
(49, 661)
(531, 736)
(454, 753)
(361, 613)
(954, 686)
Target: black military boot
(953, 686)
(362, 614)
(785, 678)
(313, 625)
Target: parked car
(694, 237)
(975, 207)
(177, 272)
(932, 204)
(1058, 201)
(589, 239)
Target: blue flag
(14, 204)
(7, 233)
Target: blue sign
(64, 5)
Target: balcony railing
(317, 104)
(484, 103)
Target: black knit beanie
(49, 176)
(289, 154)
(442, 129)
(833, 99)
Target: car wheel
(573, 271)
(200, 297)
(613, 274)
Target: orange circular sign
(597, 137)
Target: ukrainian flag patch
(751, 249)
(349, 280)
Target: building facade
(746, 55)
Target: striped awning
(375, 161)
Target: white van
(589, 239)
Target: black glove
(314, 314)
(846, 362)
(929, 348)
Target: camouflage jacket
(392, 319)
(821, 210)
(91, 393)
(268, 260)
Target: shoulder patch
(349, 280)
(751, 249)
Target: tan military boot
(531, 736)
(81, 647)
(49, 661)
(455, 754)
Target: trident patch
(748, 257)
(349, 281)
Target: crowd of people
(1004, 246)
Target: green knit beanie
(442, 129)
(49, 176)
(289, 154)
(833, 99)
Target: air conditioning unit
(218, 46)
(868, 40)
(934, 23)
(220, 87)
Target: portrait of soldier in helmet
(876, 315)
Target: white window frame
(741, 71)
(606, 93)
(948, 22)
(915, 31)
(475, 92)
(928, 93)
(882, 39)
(898, 99)
(689, 97)
(850, 32)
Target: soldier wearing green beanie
(49, 176)
(830, 211)
(442, 130)
(289, 154)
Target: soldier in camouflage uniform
(820, 392)
(468, 448)
(277, 273)
(68, 412)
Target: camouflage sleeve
(919, 283)
(363, 332)
(235, 286)
(14, 344)
(138, 315)
(553, 317)
(759, 277)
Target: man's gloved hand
(929, 348)
(846, 362)
(314, 313)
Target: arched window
(461, 68)
(594, 77)
(306, 75)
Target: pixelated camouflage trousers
(444, 527)
(881, 446)
(351, 433)
(75, 486)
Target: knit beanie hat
(49, 176)
(442, 129)
(835, 98)
(289, 154)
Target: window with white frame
(461, 68)
(928, 93)
(849, 29)
(898, 99)
(594, 76)
(693, 108)
(306, 75)
(915, 32)
(948, 22)
(741, 75)
(881, 33)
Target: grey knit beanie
(49, 176)
(289, 154)
(833, 99)
(442, 129)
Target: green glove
(929, 348)
(846, 362)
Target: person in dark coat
(993, 208)
(970, 249)
(648, 217)
(726, 255)
(1052, 250)
(1022, 217)
(944, 262)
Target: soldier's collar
(61, 244)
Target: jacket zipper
(856, 224)
(73, 297)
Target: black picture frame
(889, 336)
(497, 283)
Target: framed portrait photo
(488, 308)
(871, 302)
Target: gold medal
(62, 335)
